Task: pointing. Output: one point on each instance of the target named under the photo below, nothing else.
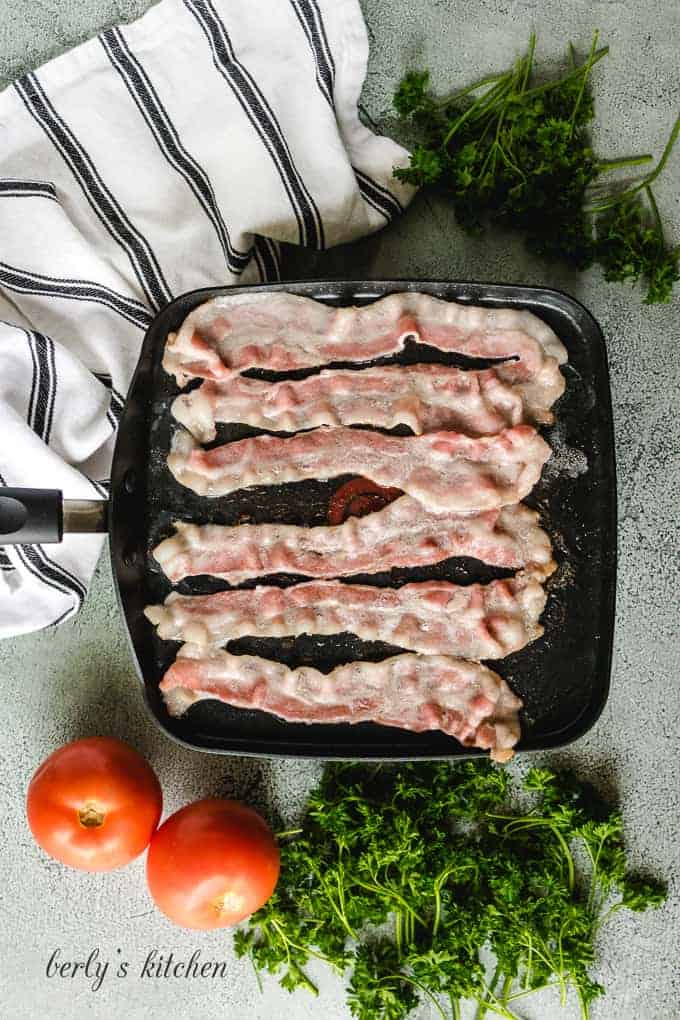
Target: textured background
(76, 681)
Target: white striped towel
(167, 155)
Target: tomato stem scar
(90, 818)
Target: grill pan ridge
(563, 677)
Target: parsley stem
(505, 991)
(655, 210)
(528, 61)
(483, 1007)
(455, 1007)
(675, 131)
(481, 105)
(439, 882)
(530, 822)
(549, 85)
(495, 1007)
(292, 965)
(584, 81)
(418, 984)
(490, 79)
(257, 973)
(585, 1012)
(530, 991)
(339, 913)
(647, 180)
(301, 949)
(385, 890)
(606, 165)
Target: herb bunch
(516, 153)
(407, 877)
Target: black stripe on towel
(117, 403)
(5, 562)
(44, 384)
(378, 196)
(309, 17)
(263, 119)
(53, 574)
(31, 561)
(323, 38)
(25, 282)
(14, 187)
(101, 199)
(156, 116)
(101, 486)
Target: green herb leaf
(403, 878)
(515, 154)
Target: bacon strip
(433, 617)
(283, 332)
(427, 398)
(418, 693)
(403, 534)
(443, 470)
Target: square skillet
(563, 677)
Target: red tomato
(357, 498)
(94, 804)
(211, 864)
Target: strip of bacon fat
(283, 332)
(445, 471)
(403, 534)
(427, 398)
(463, 699)
(477, 621)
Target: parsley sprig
(516, 153)
(406, 878)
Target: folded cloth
(170, 154)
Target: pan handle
(28, 516)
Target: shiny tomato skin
(212, 864)
(94, 804)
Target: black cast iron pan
(563, 677)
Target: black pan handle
(28, 516)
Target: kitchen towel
(166, 155)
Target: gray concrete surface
(78, 680)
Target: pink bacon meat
(403, 534)
(433, 617)
(283, 332)
(463, 699)
(427, 398)
(443, 470)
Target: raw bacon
(283, 332)
(463, 699)
(442, 470)
(433, 617)
(403, 534)
(427, 398)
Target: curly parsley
(508, 151)
(405, 878)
